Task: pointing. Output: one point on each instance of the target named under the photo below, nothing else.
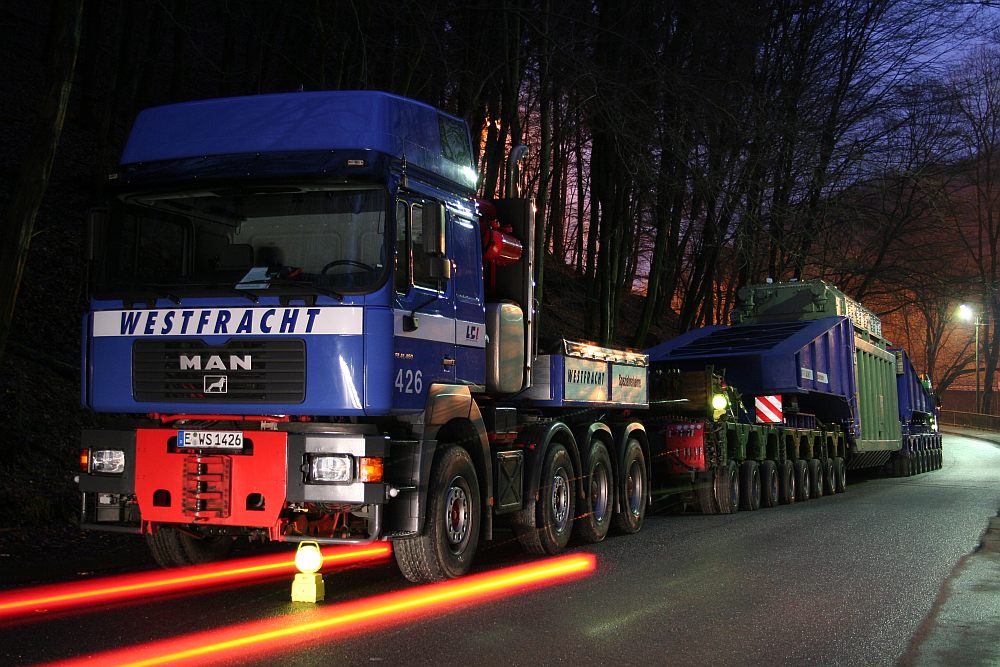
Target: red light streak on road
(295, 629)
(109, 589)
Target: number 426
(409, 382)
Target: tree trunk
(34, 177)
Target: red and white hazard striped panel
(769, 409)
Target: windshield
(268, 238)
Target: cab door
(424, 307)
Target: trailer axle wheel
(802, 490)
(787, 477)
(769, 483)
(840, 474)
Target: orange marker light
(369, 469)
(109, 589)
(381, 610)
(84, 460)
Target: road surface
(842, 580)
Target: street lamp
(966, 313)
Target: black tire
(770, 486)
(750, 486)
(815, 478)
(897, 466)
(829, 478)
(633, 490)
(705, 492)
(840, 474)
(599, 485)
(727, 488)
(446, 546)
(802, 490)
(786, 475)
(173, 548)
(551, 522)
(940, 458)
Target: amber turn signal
(369, 469)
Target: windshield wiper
(225, 286)
(288, 282)
(156, 289)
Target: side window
(403, 261)
(421, 265)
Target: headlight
(331, 468)
(720, 402)
(107, 461)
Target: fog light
(108, 461)
(331, 468)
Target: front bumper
(251, 488)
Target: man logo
(216, 363)
(216, 384)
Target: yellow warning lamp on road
(308, 584)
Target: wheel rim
(734, 489)
(600, 497)
(755, 488)
(457, 515)
(633, 488)
(560, 499)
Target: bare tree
(15, 237)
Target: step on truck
(309, 329)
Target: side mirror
(433, 232)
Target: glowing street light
(965, 312)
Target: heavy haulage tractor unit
(810, 390)
(311, 330)
(321, 335)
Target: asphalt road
(845, 580)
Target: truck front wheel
(448, 543)
(172, 547)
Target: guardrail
(970, 420)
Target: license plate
(210, 439)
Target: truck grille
(242, 371)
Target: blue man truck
(313, 331)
